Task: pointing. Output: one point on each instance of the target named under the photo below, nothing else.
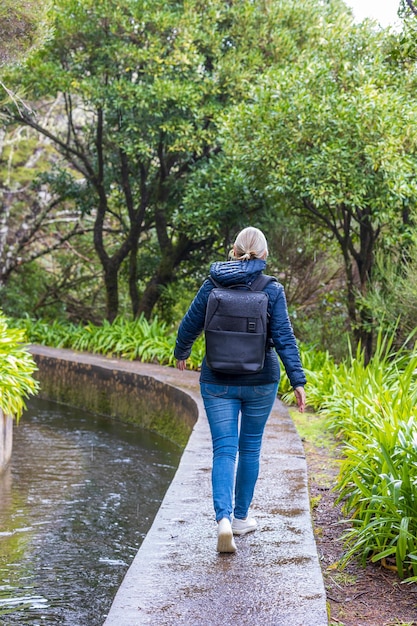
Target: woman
(250, 396)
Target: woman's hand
(181, 365)
(300, 396)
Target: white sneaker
(225, 541)
(243, 526)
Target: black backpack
(236, 327)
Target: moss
(17, 154)
(168, 426)
(23, 27)
(125, 396)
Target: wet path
(76, 503)
(178, 579)
(274, 579)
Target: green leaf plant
(373, 409)
(16, 369)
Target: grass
(313, 428)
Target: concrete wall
(114, 390)
(6, 439)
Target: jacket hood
(233, 272)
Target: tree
(337, 139)
(29, 227)
(30, 224)
(144, 87)
(411, 6)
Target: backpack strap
(261, 282)
(259, 285)
(214, 281)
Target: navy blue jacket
(244, 272)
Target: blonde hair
(250, 244)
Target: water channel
(75, 504)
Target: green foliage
(16, 369)
(139, 339)
(378, 479)
(392, 296)
(335, 138)
(323, 322)
(18, 295)
(314, 430)
(56, 334)
(38, 265)
(372, 408)
(321, 372)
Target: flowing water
(75, 504)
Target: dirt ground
(357, 595)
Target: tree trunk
(133, 279)
(364, 334)
(165, 274)
(365, 261)
(358, 268)
(112, 290)
(151, 296)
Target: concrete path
(178, 579)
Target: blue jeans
(223, 406)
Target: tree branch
(75, 157)
(412, 7)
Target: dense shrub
(16, 369)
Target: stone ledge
(114, 388)
(6, 440)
